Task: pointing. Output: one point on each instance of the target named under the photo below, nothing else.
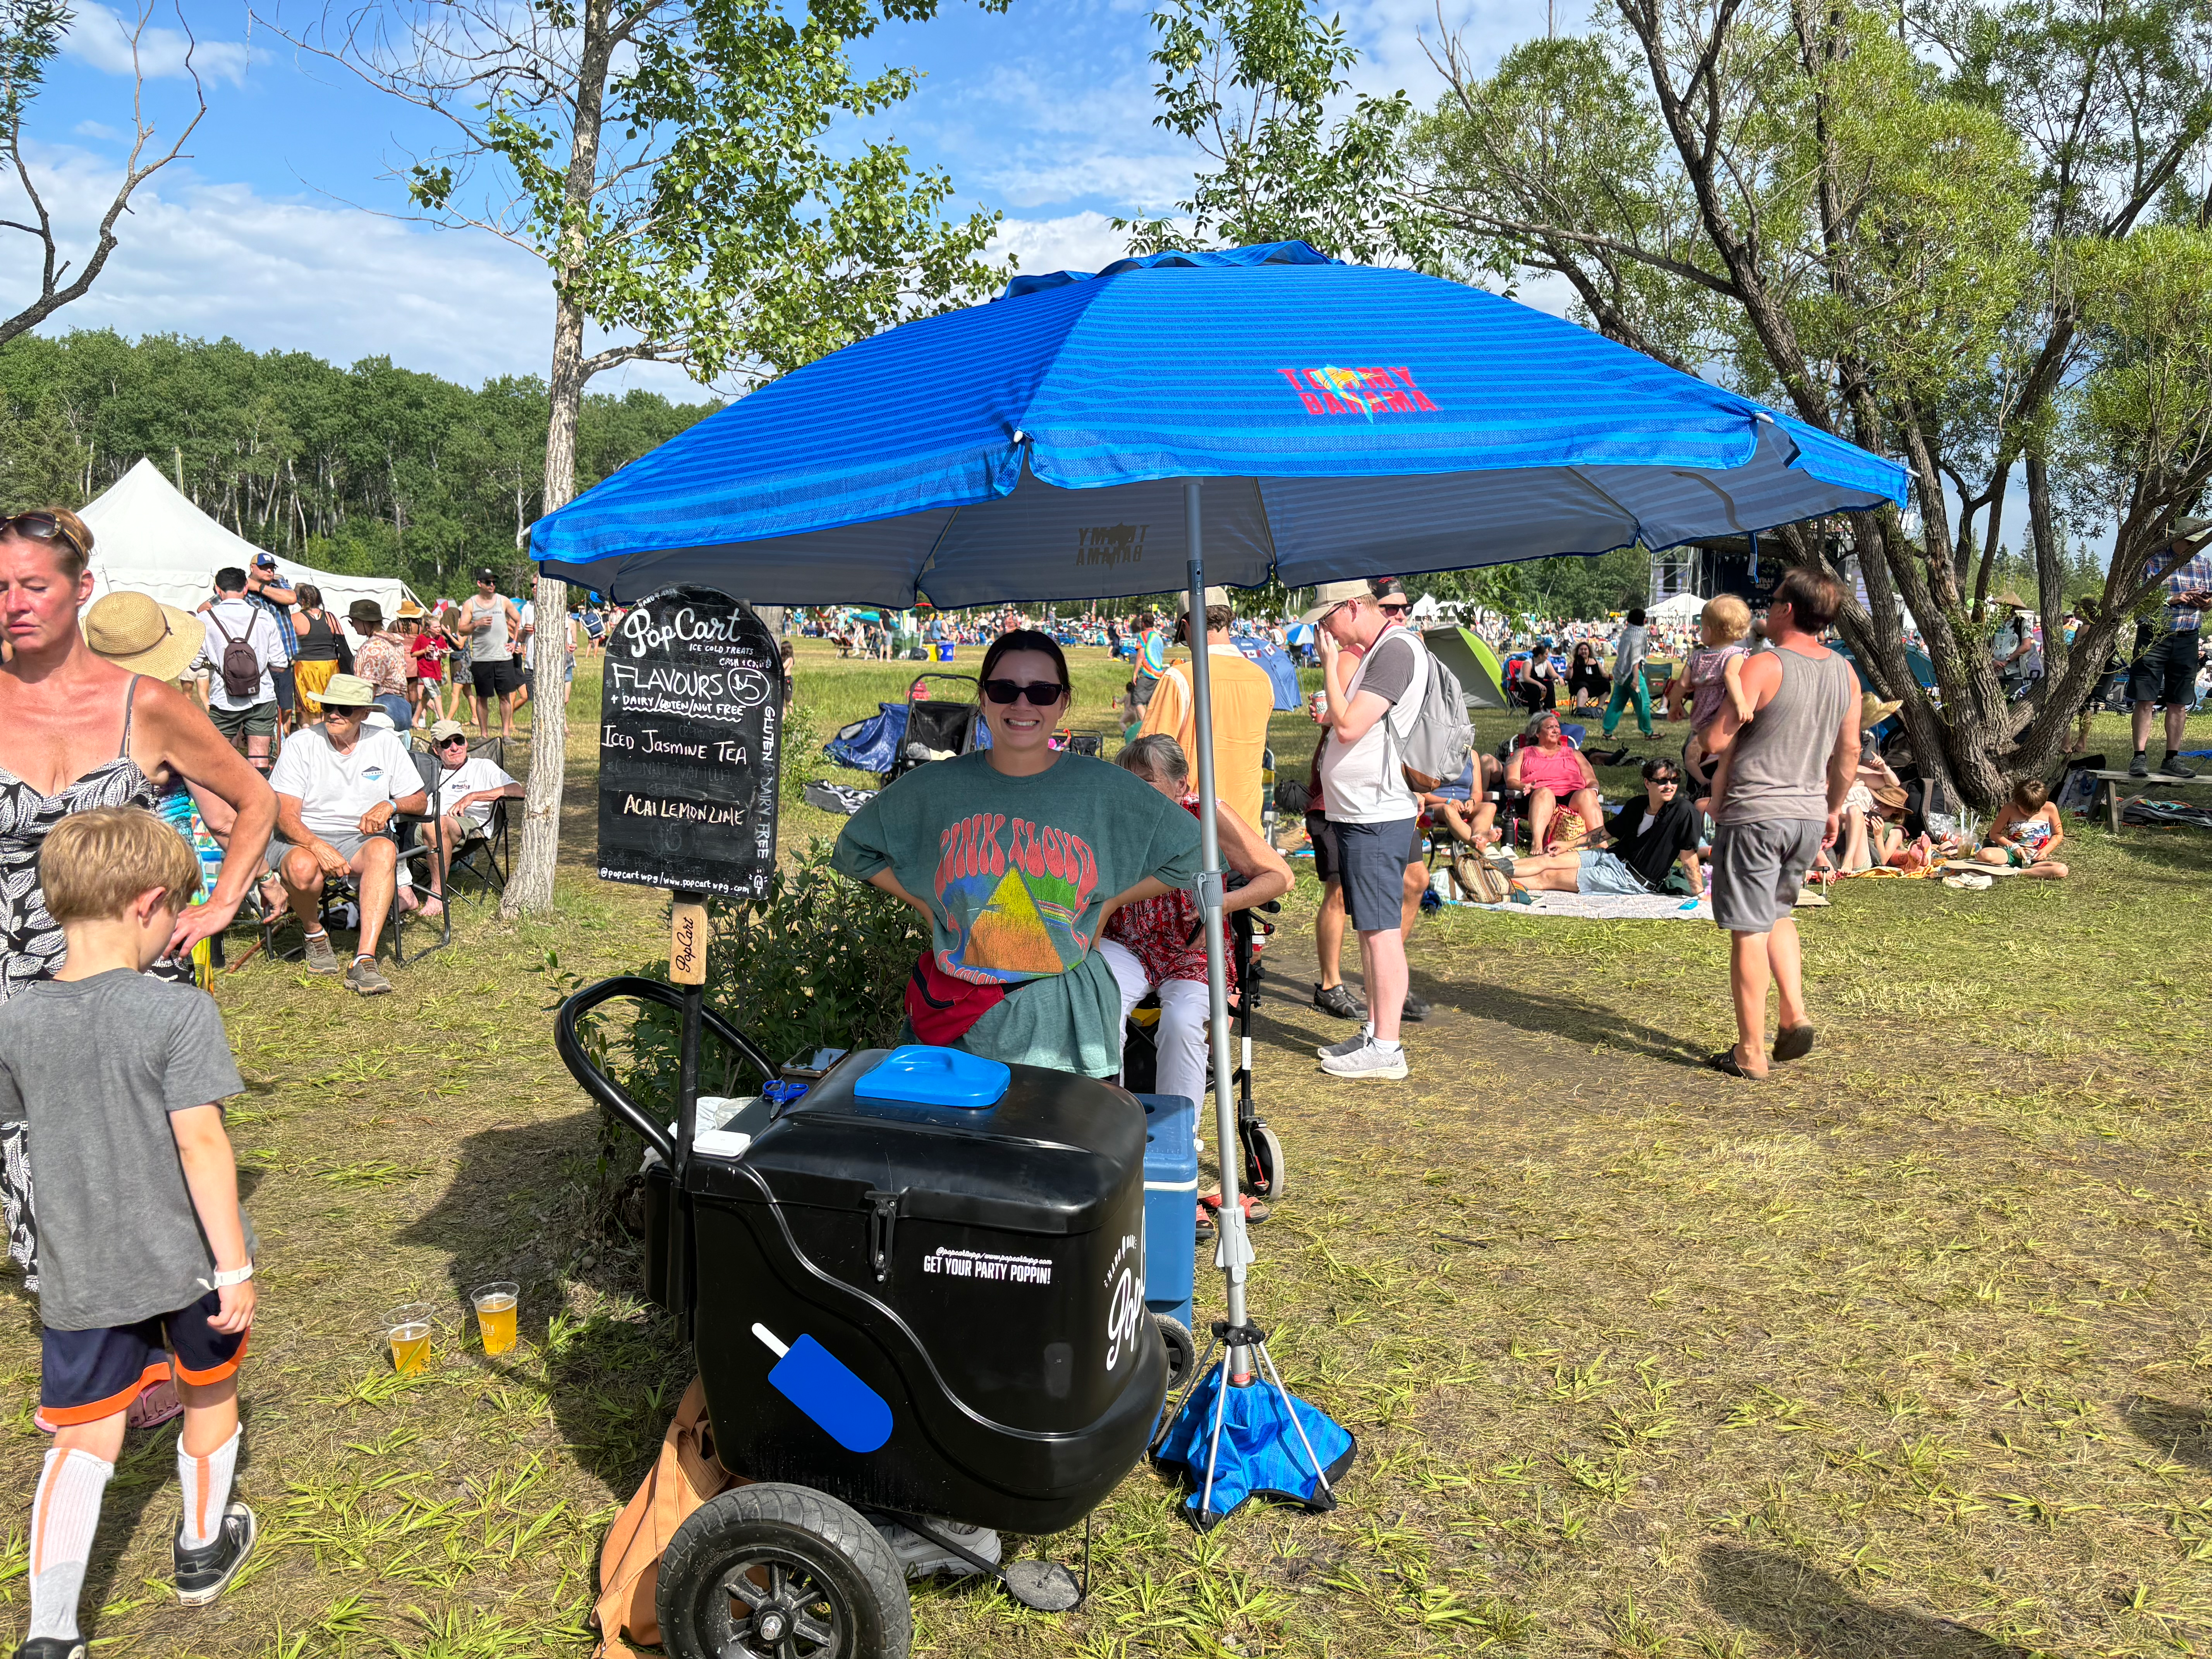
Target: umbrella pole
(1233, 1254)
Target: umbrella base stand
(1245, 1436)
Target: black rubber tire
(1182, 1346)
(1266, 1173)
(847, 1581)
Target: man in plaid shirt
(2165, 674)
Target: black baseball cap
(485, 575)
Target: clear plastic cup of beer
(407, 1327)
(495, 1305)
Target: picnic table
(2108, 791)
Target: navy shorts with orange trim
(89, 1375)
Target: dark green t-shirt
(1015, 870)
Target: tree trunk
(529, 888)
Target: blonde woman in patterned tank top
(81, 729)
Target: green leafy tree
(1895, 241)
(672, 162)
(1250, 83)
(373, 468)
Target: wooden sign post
(690, 730)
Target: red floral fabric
(1163, 934)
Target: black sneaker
(2138, 767)
(2172, 766)
(202, 1574)
(1339, 1001)
(51, 1647)
(1415, 1009)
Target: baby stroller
(1265, 1174)
(936, 729)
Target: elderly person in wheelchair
(1155, 944)
(338, 787)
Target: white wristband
(236, 1276)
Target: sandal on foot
(1794, 1044)
(1726, 1062)
(1256, 1210)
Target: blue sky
(279, 230)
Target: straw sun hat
(1873, 710)
(137, 632)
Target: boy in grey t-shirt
(146, 1257)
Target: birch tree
(672, 163)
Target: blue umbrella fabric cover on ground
(1350, 421)
(1262, 1452)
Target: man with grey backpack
(1384, 707)
(240, 653)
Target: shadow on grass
(2183, 1433)
(515, 1209)
(1804, 1610)
(1576, 1018)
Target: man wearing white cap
(467, 786)
(1369, 708)
(1242, 699)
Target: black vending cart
(917, 1292)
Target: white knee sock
(206, 1481)
(63, 1520)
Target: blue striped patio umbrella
(1188, 418)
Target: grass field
(1904, 1353)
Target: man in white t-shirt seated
(338, 787)
(467, 786)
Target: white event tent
(1681, 607)
(146, 537)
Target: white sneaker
(1350, 1045)
(1370, 1058)
(924, 1558)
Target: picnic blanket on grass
(1611, 906)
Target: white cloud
(94, 130)
(217, 260)
(1079, 241)
(102, 38)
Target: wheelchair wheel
(774, 1571)
(1182, 1346)
(1265, 1174)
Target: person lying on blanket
(1649, 837)
(2027, 833)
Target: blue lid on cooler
(920, 1075)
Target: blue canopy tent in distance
(1225, 417)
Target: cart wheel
(1265, 1174)
(1182, 1349)
(775, 1571)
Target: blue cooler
(943, 651)
(1170, 1203)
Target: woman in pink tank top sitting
(1552, 776)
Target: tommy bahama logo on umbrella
(1110, 544)
(1327, 390)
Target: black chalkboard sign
(690, 720)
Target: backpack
(241, 667)
(1433, 750)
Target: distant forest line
(370, 470)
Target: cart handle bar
(595, 1083)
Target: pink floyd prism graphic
(1014, 892)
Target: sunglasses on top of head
(40, 526)
(1043, 692)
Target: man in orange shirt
(1243, 699)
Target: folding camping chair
(485, 852)
(400, 831)
(935, 727)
